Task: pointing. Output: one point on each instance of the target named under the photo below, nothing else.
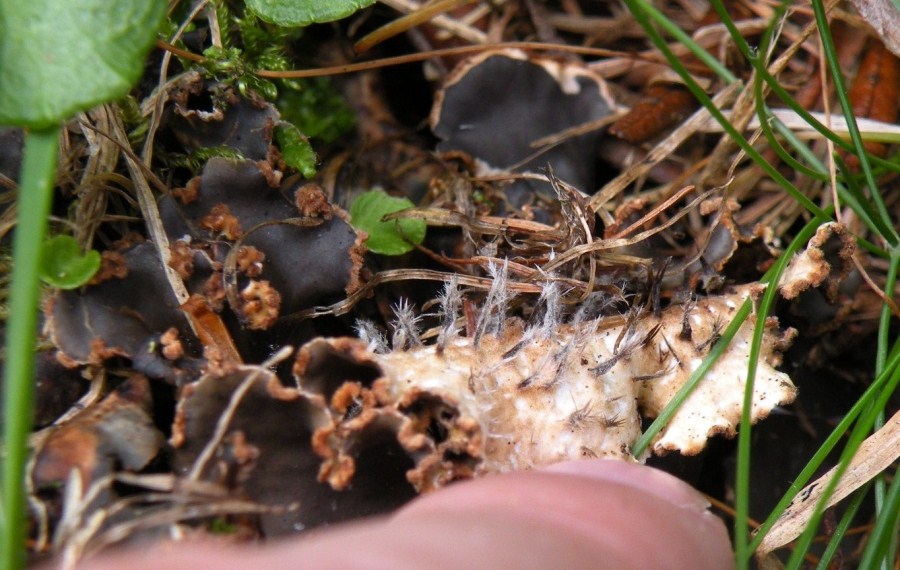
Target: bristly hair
(406, 327)
(597, 304)
(545, 319)
(372, 336)
(450, 301)
(550, 301)
(493, 314)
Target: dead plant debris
(253, 367)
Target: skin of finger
(647, 480)
(622, 519)
(522, 520)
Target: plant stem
(35, 197)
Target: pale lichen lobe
(518, 397)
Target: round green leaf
(63, 266)
(392, 237)
(298, 13)
(61, 56)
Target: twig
(659, 152)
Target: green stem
(881, 385)
(742, 479)
(838, 535)
(887, 229)
(881, 354)
(35, 197)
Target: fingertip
(658, 483)
(612, 510)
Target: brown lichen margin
(828, 259)
(357, 253)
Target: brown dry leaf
(884, 17)
(875, 93)
(661, 106)
(875, 455)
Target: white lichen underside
(579, 391)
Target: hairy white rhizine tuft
(370, 334)
(523, 385)
(550, 304)
(493, 314)
(406, 326)
(450, 302)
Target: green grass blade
(878, 222)
(881, 549)
(742, 482)
(764, 117)
(883, 383)
(889, 233)
(637, 8)
(781, 92)
(856, 198)
(860, 431)
(35, 197)
(841, 529)
(884, 324)
(685, 40)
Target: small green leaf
(63, 266)
(61, 56)
(305, 12)
(295, 149)
(392, 237)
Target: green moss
(317, 109)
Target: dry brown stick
(419, 16)
(423, 56)
(601, 245)
(450, 25)
(660, 208)
(150, 213)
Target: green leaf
(305, 12)
(295, 149)
(392, 237)
(63, 266)
(62, 56)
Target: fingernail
(649, 480)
